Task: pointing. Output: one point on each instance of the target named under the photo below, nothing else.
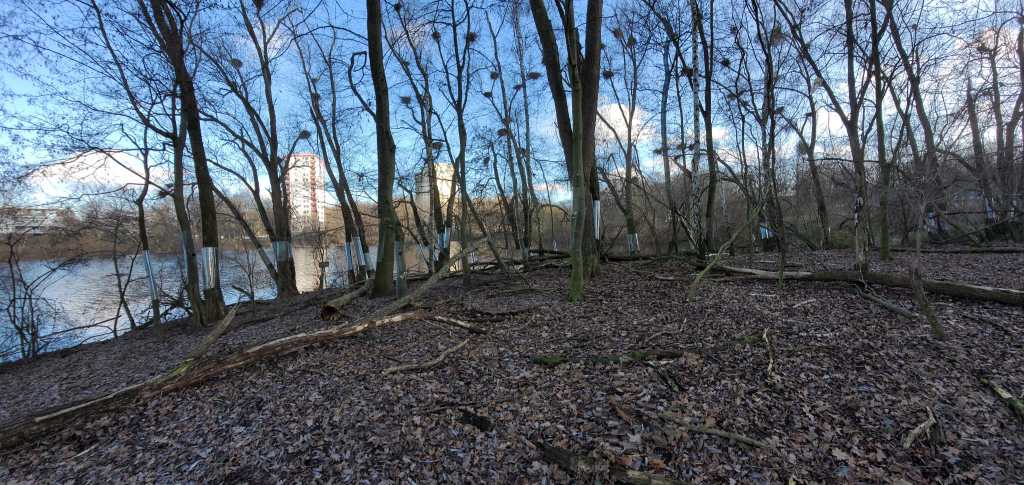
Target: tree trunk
(387, 219)
(174, 48)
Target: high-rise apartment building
(445, 174)
(306, 192)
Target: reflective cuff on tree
(597, 219)
(184, 250)
(150, 277)
(399, 262)
(211, 267)
(348, 256)
(282, 251)
(357, 242)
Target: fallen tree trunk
(22, 430)
(332, 309)
(962, 251)
(948, 288)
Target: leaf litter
(848, 381)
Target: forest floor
(629, 380)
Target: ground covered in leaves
(559, 392)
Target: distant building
(445, 174)
(21, 220)
(306, 192)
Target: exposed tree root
(430, 364)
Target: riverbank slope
(629, 381)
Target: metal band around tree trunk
(348, 257)
(150, 276)
(357, 243)
(184, 251)
(597, 219)
(633, 240)
(399, 261)
(211, 267)
(282, 251)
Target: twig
(83, 452)
(771, 354)
(428, 364)
(746, 440)
(669, 278)
(924, 427)
(1016, 406)
(888, 305)
(997, 325)
(459, 323)
(805, 302)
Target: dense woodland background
(606, 128)
(755, 241)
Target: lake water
(86, 293)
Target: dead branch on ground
(430, 364)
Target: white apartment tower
(445, 174)
(306, 192)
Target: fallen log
(942, 287)
(961, 250)
(332, 309)
(24, 429)
(430, 364)
(200, 351)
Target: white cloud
(719, 133)
(616, 116)
(95, 170)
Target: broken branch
(948, 288)
(919, 429)
(1015, 405)
(430, 364)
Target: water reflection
(86, 294)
